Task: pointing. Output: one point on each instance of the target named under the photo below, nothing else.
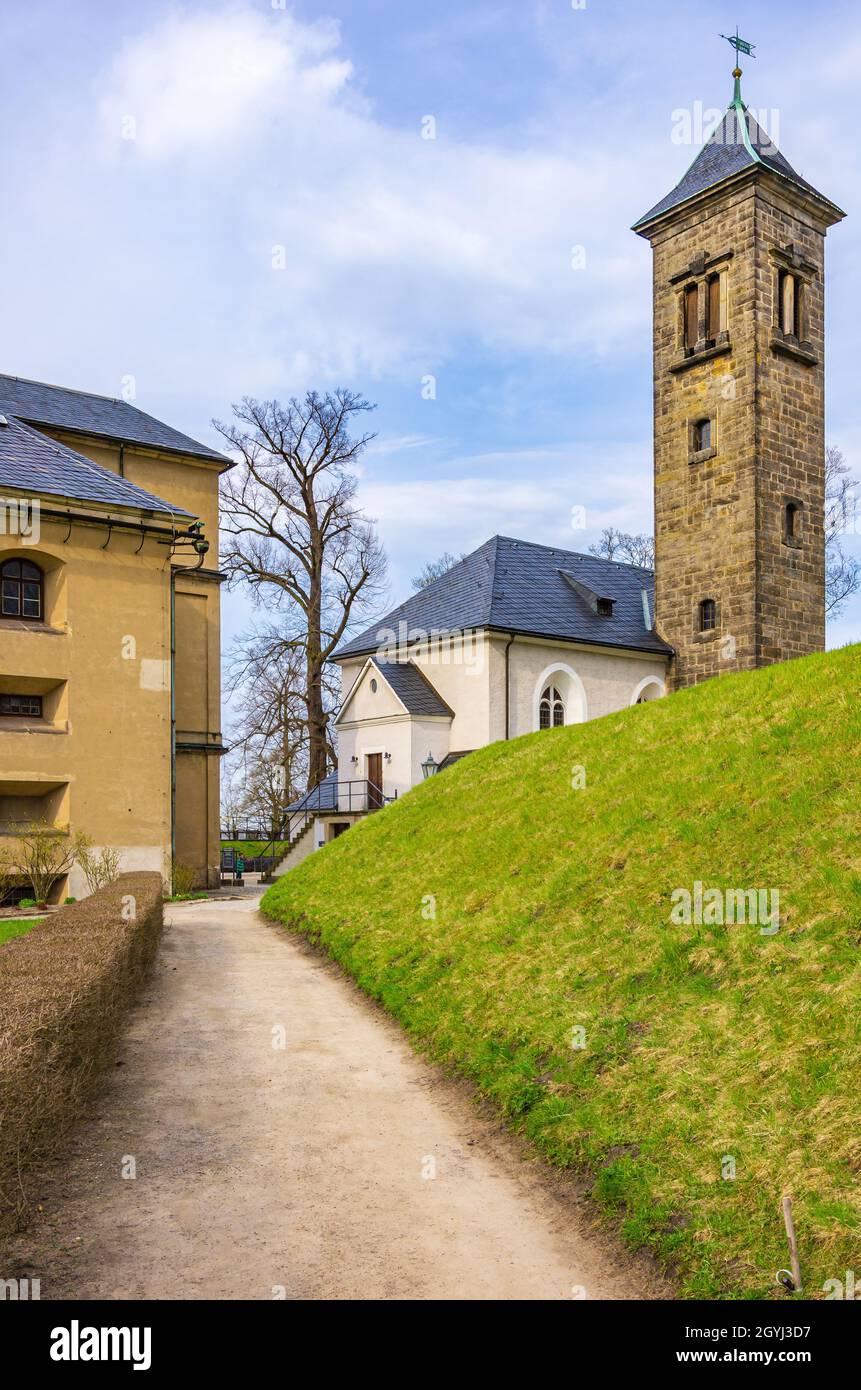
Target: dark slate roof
(515, 586)
(737, 143)
(451, 758)
(323, 797)
(413, 688)
(62, 408)
(31, 463)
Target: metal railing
(239, 831)
(356, 797)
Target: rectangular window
(790, 293)
(714, 326)
(708, 615)
(691, 316)
(29, 706)
(701, 436)
(792, 515)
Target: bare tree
(295, 534)
(269, 731)
(435, 569)
(622, 545)
(842, 571)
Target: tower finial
(740, 46)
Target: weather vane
(740, 45)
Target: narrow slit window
(714, 326)
(790, 293)
(792, 522)
(691, 299)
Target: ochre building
(109, 630)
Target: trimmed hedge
(65, 990)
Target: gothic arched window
(20, 589)
(551, 711)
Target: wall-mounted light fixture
(388, 757)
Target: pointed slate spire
(736, 145)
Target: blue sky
(228, 199)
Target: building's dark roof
(516, 586)
(62, 408)
(451, 758)
(31, 463)
(323, 797)
(737, 143)
(413, 688)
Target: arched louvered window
(21, 590)
(551, 711)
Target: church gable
(392, 690)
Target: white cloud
(196, 82)
(337, 245)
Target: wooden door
(375, 780)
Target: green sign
(740, 45)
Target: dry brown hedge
(65, 989)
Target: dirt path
(299, 1168)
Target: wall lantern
(430, 765)
(388, 757)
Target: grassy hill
(497, 909)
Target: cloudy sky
(429, 203)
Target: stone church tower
(738, 264)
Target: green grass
(552, 911)
(250, 849)
(11, 927)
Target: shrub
(27, 902)
(100, 867)
(183, 879)
(43, 853)
(70, 900)
(65, 989)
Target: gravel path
(339, 1165)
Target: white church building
(513, 639)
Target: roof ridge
(582, 554)
(70, 390)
